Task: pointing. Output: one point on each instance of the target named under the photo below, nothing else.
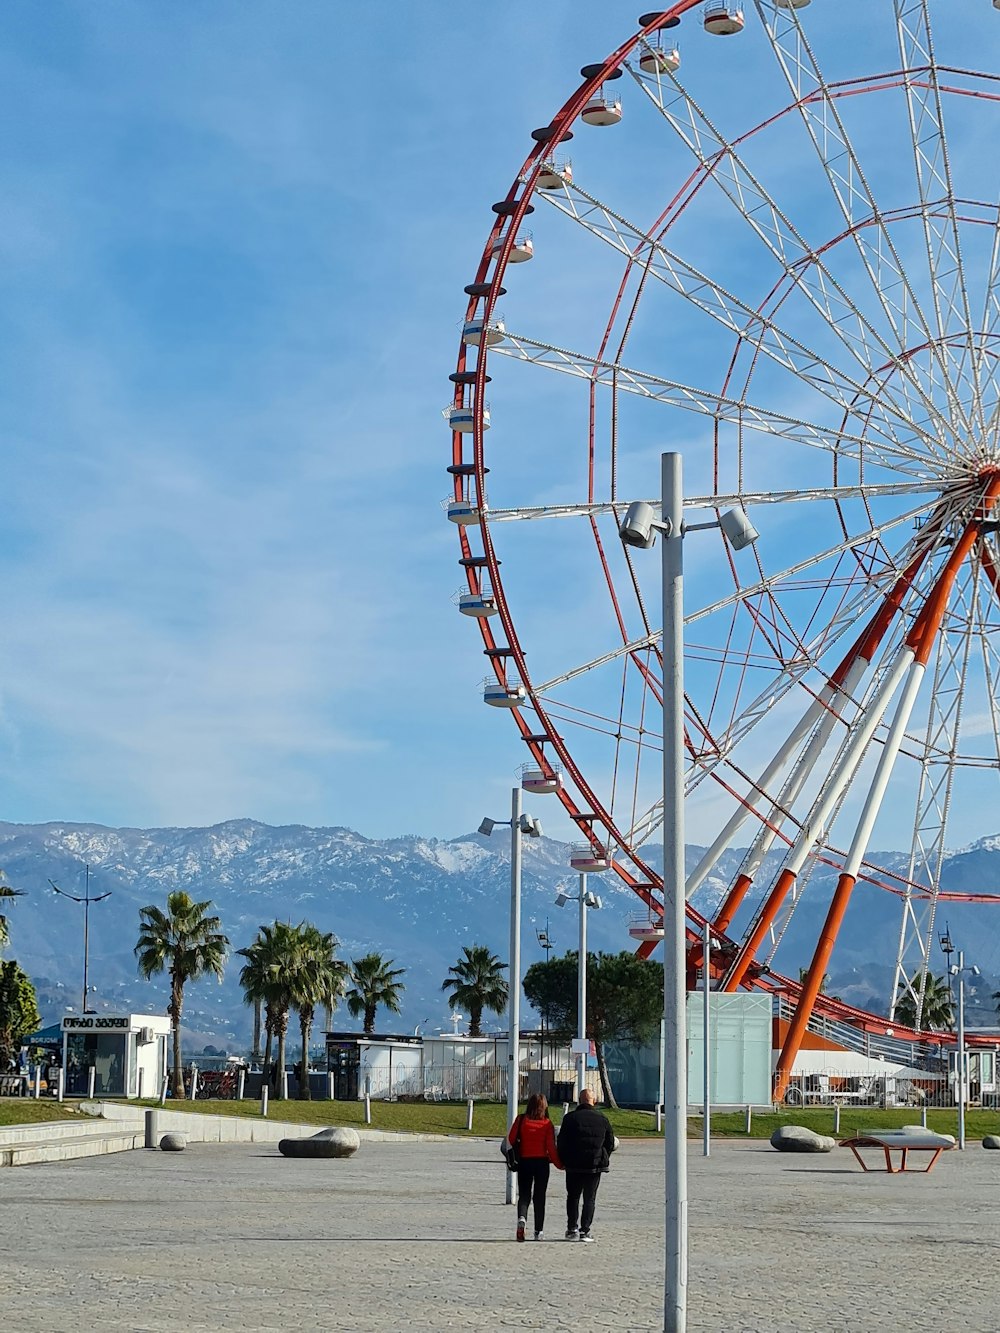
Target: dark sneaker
(573, 1234)
(586, 1237)
(520, 1228)
(539, 1235)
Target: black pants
(532, 1179)
(581, 1183)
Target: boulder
(174, 1142)
(991, 1141)
(797, 1138)
(336, 1142)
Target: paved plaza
(414, 1235)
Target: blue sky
(232, 259)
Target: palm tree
(265, 977)
(187, 943)
(374, 984)
(7, 894)
(315, 976)
(476, 984)
(937, 1011)
(253, 981)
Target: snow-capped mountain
(418, 900)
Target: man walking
(586, 1142)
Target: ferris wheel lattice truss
(848, 315)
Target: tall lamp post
(959, 970)
(545, 940)
(521, 825)
(86, 900)
(639, 528)
(586, 899)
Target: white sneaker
(573, 1234)
(586, 1237)
(539, 1235)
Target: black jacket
(586, 1140)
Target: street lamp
(639, 528)
(521, 825)
(947, 948)
(86, 900)
(586, 899)
(959, 970)
(544, 939)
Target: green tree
(7, 895)
(187, 943)
(19, 1014)
(264, 978)
(315, 977)
(624, 1000)
(476, 983)
(937, 1012)
(375, 984)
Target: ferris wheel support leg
(845, 884)
(822, 710)
(813, 826)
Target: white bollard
(659, 1117)
(749, 1117)
(368, 1109)
(284, 1084)
(468, 1113)
(61, 1084)
(38, 1082)
(923, 1115)
(163, 1089)
(91, 1082)
(139, 1083)
(194, 1082)
(565, 1112)
(330, 1090)
(836, 1120)
(241, 1083)
(152, 1130)
(263, 1101)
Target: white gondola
(462, 419)
(722, 19)
(521, 251)
(473, 335)
(801, 4)
(590, 857)
(660, 60)
(462, 512)
(554, 175)
(477, 604)
(503, 696)
(648, 929)
(601, 110)
(537, 780)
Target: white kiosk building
(127, 1052)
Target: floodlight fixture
(562, 899)
(487, 827)
(740, 532)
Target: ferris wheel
(780, 256)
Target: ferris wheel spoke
(711, 404)
(750, 325)
(721, 500)
(991, 331)
(937, 197)
(849, 184)
(720, 161)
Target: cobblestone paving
(416, 1236)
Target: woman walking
(533, 1138)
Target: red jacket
(538, 1139)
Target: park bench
(908, 1139)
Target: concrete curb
(236, 1129)
(60, 1148)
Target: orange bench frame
(865, 1141)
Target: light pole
(86, 900)
(520, 825)
(586, 899)
(639, 528)
(544, 939)
(959, 970)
